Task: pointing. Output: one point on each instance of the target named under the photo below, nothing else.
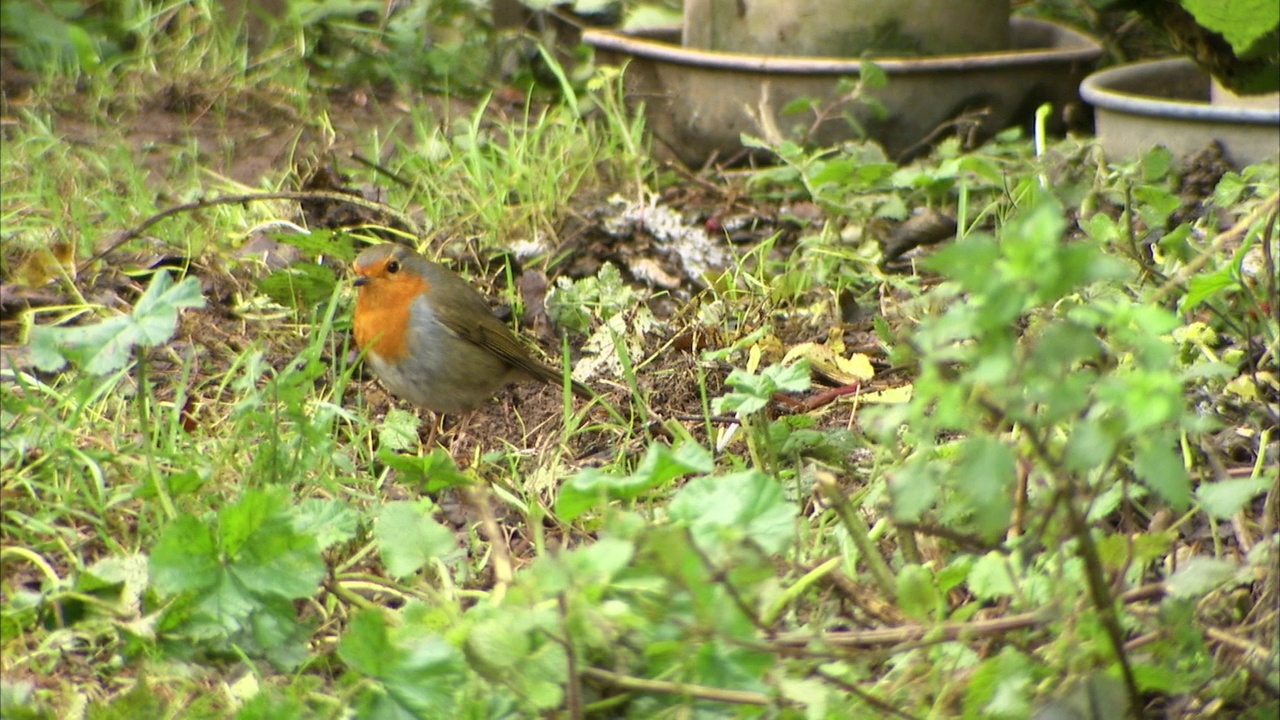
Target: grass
(1052, 486)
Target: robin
(432, 339)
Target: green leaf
(1002, 687)
(128, 573)
(1244, 23)
(141, 701)
(418, 673)
(660, 466)
(1175, 245)
(985, 167)
(238, 584)
(1064, 344)
(990, 577)
(752, 395)
(399, 430)
(969, 261)
(239, 522)
(267, 555)
(918, 596)
(1159, 466)
(1229, 189)
(185, 557)
(1101, 229)
(510, 646)
(1203, 286)
(1155, 205)
(725, 510)
(955, 573)
(1156, 164)
(366, 646)
(434, 472)
(985, 474)
(873, 76)
(408, 538)
(600, 561)
(1149, 400)
(107, 346)
(1224, 498)
(300, 286)
(753, 392)
(914, 489)
(1098, 696)
(1090, 445)
(320, 241)
(795, 377)
(834, 172)
(1198, 576)
(269, 704)
(328, 521)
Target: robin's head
(390, 279)
(388, 265)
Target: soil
(252, 137)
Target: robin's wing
(471, 318)
(492, 334)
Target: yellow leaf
(1244, 387)
(824, 361)
(40, 266)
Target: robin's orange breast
(383, 314)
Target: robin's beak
(361, 280)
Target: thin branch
(866, 697)
(859, 533)
(721, 576)
(573, 690)
(503, 574)
(384, 210)
(1269, 207)
(826, 397)
(945, 632)
(663, 687)
(385, 172)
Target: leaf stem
(860, 533)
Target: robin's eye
(393, 267)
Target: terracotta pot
(847, 28)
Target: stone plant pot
(847, 28)
(698, 103)
(1219, 95)
(1167, 102)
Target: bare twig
(826, 397)
(968, 120)
(383, 171)
(859, 533)
(885, 708)
(945, 632)
(1269, 207)
(384, 210)
(478, 497)
(663, 687)
(865, 600)
(573, 690)
(1103, 601)
(721, 576)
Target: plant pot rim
(1101, 90)
(1073, 45)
